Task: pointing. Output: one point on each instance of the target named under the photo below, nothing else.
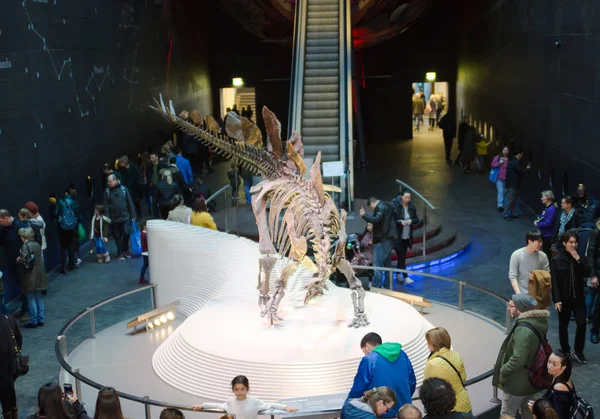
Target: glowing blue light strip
(437, 261)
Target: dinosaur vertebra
(310, 213)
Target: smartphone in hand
(68, 389)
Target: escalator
(320, 101)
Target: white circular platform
(313, 352)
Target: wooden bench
(413, 300)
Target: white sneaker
(408, 281)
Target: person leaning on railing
(54, 404)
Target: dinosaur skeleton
(310, 213)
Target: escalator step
(319, 139)
(320, 72)
(322, 42)
(309, 81)
(333, 104)
(322, 2)
(323, 21)
(321, 113)
(322, 15)
(321, 57)
(321, 35)
(320, 131)
(321, 122)
(322, 50)
(321, 64)
(322, 28)
(320, 96)
(328, 152)
(321, 88)
(323, 7)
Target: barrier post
(225, 209)
(495, 398)
(92, 323)
(63, 346)
(77, 384)
(461, 291)
(425, 229)
(148, 413)
(152, 299)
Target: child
(99, 233)
(243, 406)
(144, 240)
(481, 150)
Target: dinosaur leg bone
(358, 295)
(273, 304)
(265, 267)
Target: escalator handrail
(345, 99)
(297, 80)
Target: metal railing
(345, 98)
(227, 204)
(404, 185)
(61, 350)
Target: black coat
(166, 192)
(399, 217)
(384, 224)
(11, 241)
(572, 223)
(448, 125)
(462, 132)
(7, 353)
(565, 286)
(130, 178)
(588, 209)
(118, 204)
(514, 173)
(593, 253)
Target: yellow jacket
(202, 219)
(438, 368)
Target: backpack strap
(533, 329)
(455, 370)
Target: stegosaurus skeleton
(310, 213)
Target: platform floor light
(155, 318)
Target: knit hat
(32, 207)
(524, 302)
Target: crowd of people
(432, 108)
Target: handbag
(135, 240)
(81, 232)
(494, 172)
(21, 360)
(455, 370)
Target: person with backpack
(67, 215)
(33, 277)
(520, 349)
(121, 212)
(568, 270)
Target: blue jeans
(417, 117)
(382, 256)
(501, 188)
(247, 186)
(144, 266)
(100, 248)
(36, 307)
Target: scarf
(564, 219)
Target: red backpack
(538, 372)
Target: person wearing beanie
(517, 353)
(35, 212)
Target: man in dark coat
(448, 126)
(405, 215)
(120, 210)
(130, 178)
(462, 131)
(384, 234)
(587, 207)
(10, 241)
(107, 170)
(514, 173)
(8, 397)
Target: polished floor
(465, 200)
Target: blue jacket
(357, 409)
(388, 365)
(185, 168)
(547, 221)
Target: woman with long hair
(542, 409)
(167, 189)
(180, 213)
(108, 405)
(51, 404)
(200, 216)
(373, 404)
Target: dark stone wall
(529, 69)
(76, 79)
(428, 45)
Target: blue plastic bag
(494, 174)
(135, 240)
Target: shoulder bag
(21, 360)
(455, 370)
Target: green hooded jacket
(518, 353)
(389, 350)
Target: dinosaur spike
(162, 104)
(273, 127)
(316, 180)
(171, 108)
